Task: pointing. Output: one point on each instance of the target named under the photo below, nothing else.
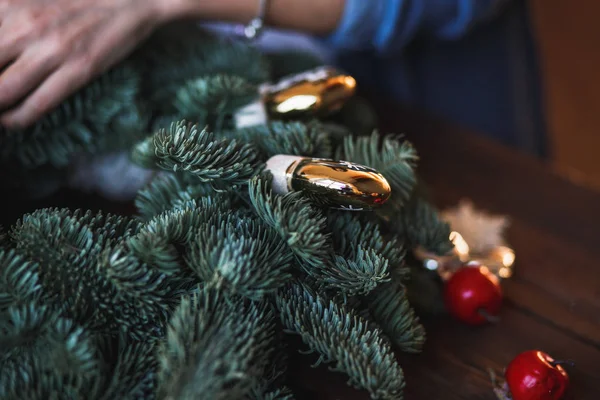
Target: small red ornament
(473, 295)
(534, 375)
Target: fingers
(59, 85)
(106, 43)
(9, 50)
(24, 74)
(15, 33)
(8, 54)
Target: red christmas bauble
(534, 375)
(473, 295)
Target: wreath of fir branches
(192, 297)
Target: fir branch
(267, 391)
(133, 377)
(342, 338)
(356, 304)
(355, 230)
(297, 222)
(128, 275)
(158, 196)
(272, 382)
(62, 232)
(391, 310)
(143, 153)
(303, 227)
(40, 380)
(184, 148)
(105, 290)
(420, 223)
(156, 251)
(49, 358)
(59, 226)
(19, 281)
(393, 159)
(168, 62)
(85, 122)
(283, 393)
(361, 274)
(167, 191)
(278, 137)
(36, 340)
(135, 297)
(213, 95)
(108, 228)
(195, 188)
(155, 243)
(241, 255)
(215, 348)
(365, 257)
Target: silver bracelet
(254, 28)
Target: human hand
(51, 48)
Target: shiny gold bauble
(337, 184)
(317, 92)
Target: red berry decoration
(534, 375)
(473, 295)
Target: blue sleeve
(388, 25)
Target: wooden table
(553, 300)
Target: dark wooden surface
(552, 302)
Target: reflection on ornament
(337, 184)
(320, 91)
(314, 93)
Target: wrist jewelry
(256, 25)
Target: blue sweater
(387, 26)
(469, 61)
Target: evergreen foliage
(189, 298)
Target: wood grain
(567, 44)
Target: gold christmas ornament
(314, 93)
(337, 184)
(319, 91)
